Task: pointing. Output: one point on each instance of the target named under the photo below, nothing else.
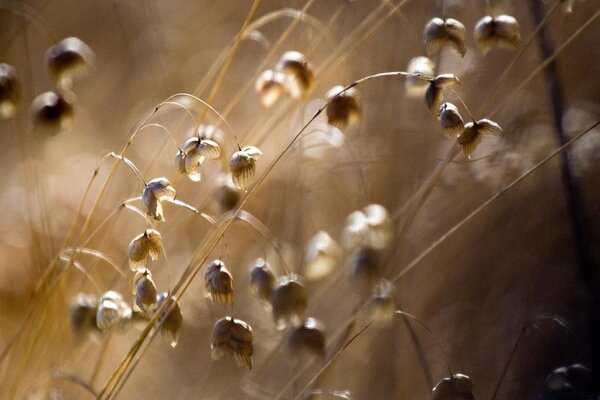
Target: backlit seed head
(218, 283)
(500, 31)
(298, 72)
(557, 379)
(83, 316)
(144, 292)
(322, 256)
(10, 92)
(421, 66)
(270, 87)
(232, 337)
(459, 387)
(471, 136)
(53, 111)
(197, 150)
(243, 166)
(364, 269)
(144, 245)
(381, 306)
(171, 319)
(575, 377)
(289, 301)
(262, 280)
(445, 32)
(68, 59)
(452, 123)
(156, 191)
(434, 94)
(344, 108)
(226, 194)
(371, 227)
(113, 313)
(309, 337)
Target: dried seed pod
(418, 67)
(243, 166)
(10, 92)
(371, 227)
(144, 292)
(144, 245)
(381, 306)
(232, 337)
(557, 379)
(500, 31)
(53, 111)
(434, 94)
(344, 108)
(309, 337)
(322, 256)
(113, 313)
(364, 269)
(452, 123)
(440, 33)
(218, 283)
(289, 301)
(156, 191)
(298, 72)
(171, 320)
(83, 316)
(471, 136)
(262, 280)
(197, 150)
(458, 387)
(226, 194)
(270, 87)
(68, 59)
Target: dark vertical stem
(575, 206)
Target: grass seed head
(458, 387)
(299, 74)
(309, 337)
(144, 292)
(270, 87)
(502, 31)
(447, 32)
(323, 255)
(69, 59)
(243, 166)
(171, 320)
(434, 96)
(156, 191)
(53, 111)
(557, 379)
(145, 245)
(113, 313)
(471, 136)
(421, 66)
(218, 283)
(232, 337)
(83, 316)
(289, 301)
(344, 108)
(10, 92)
(370, 227)
(451, 121)
(262, 280)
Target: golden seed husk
(10, 92)
(471, 137)
(422, 66)
(53, 111)
(113, 313)
(68, 59)
(218, 283)
(157, 190)
(270, 87)
(459, 387)
(171, 319)
(262, 280)
(434, 94)
(82, 314)
(344, 108)
(232, 337)
(451, 121)
(502, 31)
(448, 32)
(145, 245)
(299, 75)
(323, 255)
(243, 166)
(309, 337)
(289, 301)
(144, 291)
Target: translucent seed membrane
(451, 121)
(434, 94)
(270, 87)
(145, 245)
(218, 283)
(156, 191)
(344, 108)
(458, 387)
(232, 337)
(501, 31)
(243, 166)
(323, 255)
(473, 132)
(262, 281)
(68, 59)
(289, 301)
(171, 319)
(309, 338)
(10, 92)
(299, 75)
(441, 33)
(113, 313)
(144, 292)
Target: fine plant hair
(377, 225)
